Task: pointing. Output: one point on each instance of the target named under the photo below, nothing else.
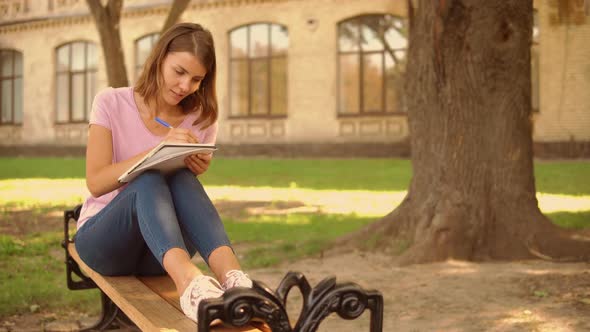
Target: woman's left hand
(198, 163)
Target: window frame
(361, 55)
(138, 67)
(70, 74)
(12, 78)
(249, 62)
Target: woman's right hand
(180, 135)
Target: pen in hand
(163, 123)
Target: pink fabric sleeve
(210, 134)
(99, 114)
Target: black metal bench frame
(239, 306)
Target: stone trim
(132, 11)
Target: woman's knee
(151, 178)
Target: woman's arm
(101, 174)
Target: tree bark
(107, 19)
(176, 9)
(468, 88)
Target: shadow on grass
(572, 220)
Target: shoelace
(235, 278)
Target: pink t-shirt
(115, 109)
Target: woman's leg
(201, 224)
(113, 242)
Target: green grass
(572, 220)
(52, 168)
(32, 273)
(568, 178)
(288, 237)
(32, 269)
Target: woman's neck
(158, 107)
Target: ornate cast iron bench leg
(238, 306)
(111, 315)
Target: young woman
(156, 223)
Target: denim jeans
(152, 215)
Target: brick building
(290, 72)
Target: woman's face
(183, 74)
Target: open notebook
(166, 157)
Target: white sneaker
(236, 278)
(202, 287)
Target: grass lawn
(268, 230)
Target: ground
(448, 296)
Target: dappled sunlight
(17, 194)
(453, 267)
(359, 202)
(26, 193)
(552, 203)
(533, 320)
(292, 219)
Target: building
(293, 75)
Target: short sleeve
(100, 108)
(210, 134)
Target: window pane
(63, 58)
(239, 42)
(279, 86)
(535, 27)
(18, 66)
(78, 56)
(373, 82)
(78, 102)
(18, 100)
(90, 91)
(259, 81)
(92, 56)
(6, 59)
(348, 36)
(393, 85)
(349, 83)
(239, 88)
(280, 39)
(143, 47)
(370, 40)
(395, 40)
(63, 98)
(6, 100)
(259, 40)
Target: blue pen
(163, 123)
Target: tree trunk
(472, 195)
(176, 9)
(107, 20)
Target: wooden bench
(152, 303)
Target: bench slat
(150, 302)
(145, 308)
(163, 286)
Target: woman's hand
(198, 163)
(181, 135)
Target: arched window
(371, 65)
(143, 47)
(11, 86)
(258, 70)
(75, 81)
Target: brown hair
(184, 37)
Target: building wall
(564, 76)
(564, 112)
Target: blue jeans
(152, 215)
